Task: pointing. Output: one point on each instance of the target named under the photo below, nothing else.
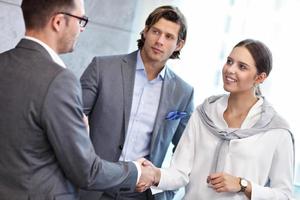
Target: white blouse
(257, 158)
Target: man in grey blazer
(136, 105)
(45, 151)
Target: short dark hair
(169, 13)
(260, 53)
(36, 13)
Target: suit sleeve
(183, 122)
(63, 123)
(90, 85)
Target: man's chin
(70, 50)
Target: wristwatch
(243, 183)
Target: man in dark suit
(136, 105)
(45, 151)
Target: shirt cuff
(139, 169)
(258, 192)
(155, 190)
(162, 182)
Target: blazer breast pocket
(176, 115)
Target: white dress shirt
(257, 158)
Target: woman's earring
(257, 89)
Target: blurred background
(214, 27)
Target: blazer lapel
(165, 104)
(128, 74)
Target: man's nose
(161, 39)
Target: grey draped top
(268, 120)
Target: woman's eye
(243, 67)
(229, 62)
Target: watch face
(244, 183)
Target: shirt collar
(251, 118)
(140, 66)
(52, 53)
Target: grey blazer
(107, 86)
(45, 152)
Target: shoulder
(217, 98)
(42, 70)
(213, 100)
(63, 82)
(115, 58)
(102, 64)
(108, 58)
(213, 104)
(66, 74)
(63, 89)
(277, 127)
(180, 82)
(276, 120)
(282, 127)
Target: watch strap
(243, 187)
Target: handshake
(150, 175)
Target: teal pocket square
(174, 115)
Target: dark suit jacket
(45, 152)
(108, 84)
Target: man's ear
(260, 78)
(57, 22)
(179, 45)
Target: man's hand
(150, 175)
(156, 171)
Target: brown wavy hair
(169, 13)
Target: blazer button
(121, 147)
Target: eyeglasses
(82, 20)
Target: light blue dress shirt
(145, 101)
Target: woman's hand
(223, 182)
